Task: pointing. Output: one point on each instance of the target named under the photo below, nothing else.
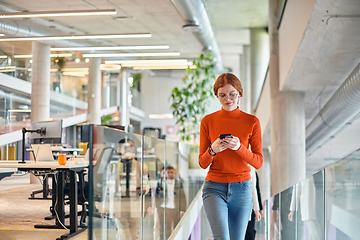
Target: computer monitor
(53, 132)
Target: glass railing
(323, 206)
(142, 186)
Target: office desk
(58, 196)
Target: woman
(227, 191)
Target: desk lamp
(40, 131)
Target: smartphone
(222, 136)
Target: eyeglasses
(230, 95)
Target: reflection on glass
(142, 185)
(342, 199)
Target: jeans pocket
(246, 184)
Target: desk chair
(99, 183)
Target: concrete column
(288, 161)
(124, 99)
(259, 52)
(40, 87)
(94, 91)
(245, 101)
(40, 82)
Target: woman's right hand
(218, 145)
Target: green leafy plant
(136, 79)
(190, 103)
(106, 120)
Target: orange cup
(62, 159)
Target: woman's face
(228, 97)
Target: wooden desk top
(53, 165)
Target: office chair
(99, 183)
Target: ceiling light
(61, 55)
(154, 61)
(2, 35)
(76, 37)
(192, 27)
(74, 74)
(77, 60)
(87, 60)
(19, 110)
(3, 56)
(57, 13)
(84, 70)
(110, 48)
(164, 67)
(51, 55)
(110, 67)
(161, 116)
(131, 54)
(7, 67)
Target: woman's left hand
(257, 215)
(232, 143)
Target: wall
(155, 92)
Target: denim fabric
(228, 207)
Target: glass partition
(323, 206)
(142, 186)
(342, 198)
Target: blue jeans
(228, 208)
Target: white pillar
(288, 161)
(40, 86)
(94, 91)
(40, 82)
(124, 100)
(245, 101)
(259, 52)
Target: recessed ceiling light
(56, 13)
(76, 37)
(131, 54)
(110, 48)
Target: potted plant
(190, 103)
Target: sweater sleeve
(205, 159)
(253, 157)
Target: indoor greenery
(106, 119)
(190, 103)
(136, 79)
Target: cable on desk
(57, 216)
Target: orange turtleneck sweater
(231, 166)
